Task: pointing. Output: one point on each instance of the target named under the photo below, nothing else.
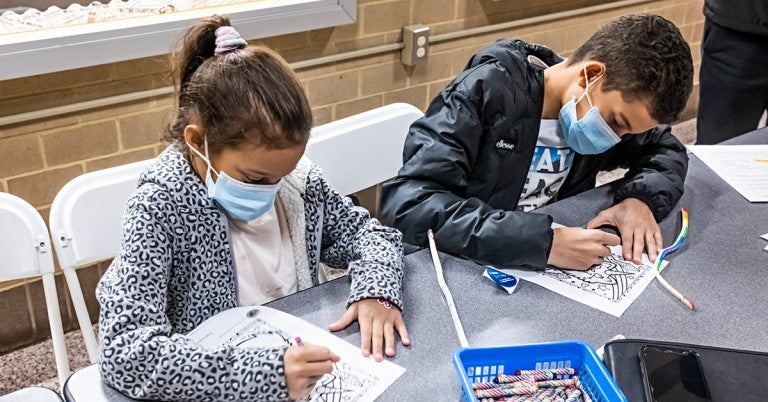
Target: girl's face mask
(239, 200)
(590, 135)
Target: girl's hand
(378, 321)
(304, 364)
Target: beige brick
(435, 88)
(416, 96)
(34, 126)
(312, 72)
(385, 77)
(429, 11)
(40, 188)
(342, 32)
(676, 14)
(306, 53)
(384, 17)
(333, 88)
(698, 33)
(553, 39)
(120, 159)
(19, 87)
(36, 102)
(139, 67)
(438, 66)
(694, 11)
(110, 112)
(19, 155)
(289, 41)
(81, 142)
(322, 115)
(361, 43)
(3, 186)
(368, 61)
(355, 106)
(75, 78)
(113, 88)
(45, 212)
(144, 128)
(687, 31)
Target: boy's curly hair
(646, 59)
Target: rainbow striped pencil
(669, 250)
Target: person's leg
(733, 83)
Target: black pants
(733, 83)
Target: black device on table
(673, 375)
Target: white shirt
(263, 257)
(550, 165)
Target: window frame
(57, 49)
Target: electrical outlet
(416, 41)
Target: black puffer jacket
(461, 178)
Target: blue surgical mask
(239, 200)
(591, 135)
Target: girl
(231, 214)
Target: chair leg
(57, 330)
(86, 327)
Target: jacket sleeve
(432, 186)
(371, 252)
(140, 355)
(657, 164)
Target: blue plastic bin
(483, 364)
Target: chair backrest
(24, 243)
(86, 214)
(363, 150)
(25, 251)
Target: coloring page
(354, 378)
(611, 286)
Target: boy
(520, 128)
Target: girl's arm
(140, 353)
(371, 252)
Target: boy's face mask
(590, 135)
(239, 200)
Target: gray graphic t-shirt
(551, 162)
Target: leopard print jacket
(175, 269)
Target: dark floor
(35, 364)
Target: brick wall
(37, 158)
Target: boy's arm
(351, 239)
(140, 355)
(431, 187)
(657, 164)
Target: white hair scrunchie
(227, 40)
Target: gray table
(722, 268)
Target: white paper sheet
(354, 378)
(744, 167)
(610, 287)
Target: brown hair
(247, 95)
(646, 59)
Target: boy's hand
(637, 227)
(579, 249)
(378, 321)
(304, 364)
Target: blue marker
(503, 281)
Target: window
(68, 47)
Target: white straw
(446, 291)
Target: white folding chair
(86, 226)
(363, 150)
(25, 247)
